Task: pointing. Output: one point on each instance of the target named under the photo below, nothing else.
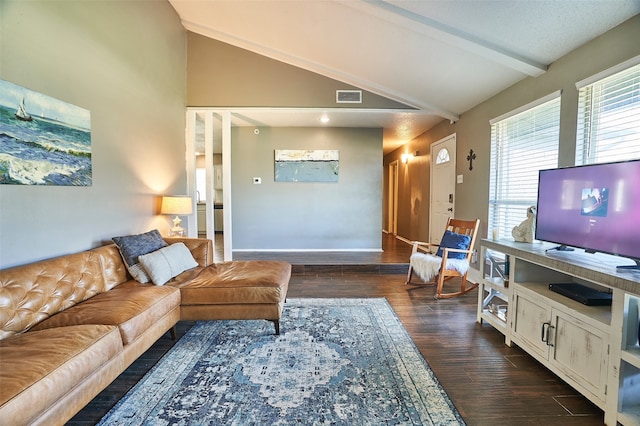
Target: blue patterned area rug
(337, 362)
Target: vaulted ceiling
(441, 57)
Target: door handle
(546, 332)
(450, 209)
(549, 343)
(544, 335)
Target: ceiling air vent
(349, 96)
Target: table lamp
(178, 205)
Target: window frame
(609, 115)
(504, 210)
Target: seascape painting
(43, 141)
(299, 165)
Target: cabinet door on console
(581, 352)
(531, 323)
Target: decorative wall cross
(470, 158)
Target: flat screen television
(594, 207)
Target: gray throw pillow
(133, 246)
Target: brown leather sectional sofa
(70, 325)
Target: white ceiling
(442, 57)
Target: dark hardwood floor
(394, 251)
(489, 383)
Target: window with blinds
(609, 117)
(522, 143)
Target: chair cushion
(455, 241)
(40, 367)
(427, 266)
(133, 308)
(236, 282)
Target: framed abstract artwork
(299, 165)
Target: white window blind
(522, 143)
(609, 118)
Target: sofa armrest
(201, 248)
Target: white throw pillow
(168, 262)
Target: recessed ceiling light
(324, 119)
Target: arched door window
(443, 156)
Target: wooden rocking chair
(459, 237)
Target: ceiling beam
(434, 29)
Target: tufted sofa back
(33, 292)
(114, 270)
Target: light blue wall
(124, 61)
(290, 216)
(345, 215)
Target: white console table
(593, 348)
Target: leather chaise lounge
(70, 325)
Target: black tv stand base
(561, 248)
(627, 267)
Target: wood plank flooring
(489, 383)
(393, 251)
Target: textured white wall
(126, 63)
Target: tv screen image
(595, 207)
(595, 202)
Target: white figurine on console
(527, 229)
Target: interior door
(443, 186)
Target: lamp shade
(178, 204)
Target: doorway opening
(208, 151)
(392, 216)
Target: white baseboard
(332, 250)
